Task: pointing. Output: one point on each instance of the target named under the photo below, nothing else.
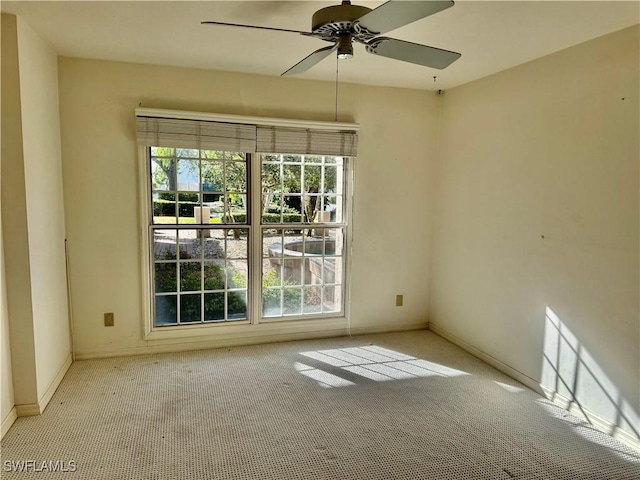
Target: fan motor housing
(337, 18)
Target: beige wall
(32, 217)
(535, 233)
(43, 180)
(7, 400)
(97, 101)
(14, 222)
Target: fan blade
(412, 52)
(309, 34)
(310, 61)
(395, 14)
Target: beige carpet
(396, 406)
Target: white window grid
(255, 313)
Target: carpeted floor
(395, 406)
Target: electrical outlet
(108, 319)
(399, 300)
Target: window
(302, 272)
(241, 230)
(200, 266)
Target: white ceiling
(492, 36)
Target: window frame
(255, 325)
(199, 227)
(343, 225)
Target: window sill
(245, 330)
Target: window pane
(237, 243)
(291, 301)
(190, 276)
(271, 302)
(214, 243)
(163, 152)
(165, 277)
(334, 205)
(213, 307)
(237, 274)
(313, 243)
(330, 179)
(292, 209)
(190, 308)
(212, 176)
(315, 269)
(236, 177)
(271, 208)
(187, 152)
(237, 305)
(189, 244)
(164, 208)
(271, 236)
(292, 178)
(189, 175)
(312, 299)
(163, 173)
(332, 299)
(214, 154)
(271, 273)
(214, 275)
(272, 254)
(312, 178)
(292, 158)
(333, 242)
(312, 207)
(329, 268)
(187, 202)
(166, 310)
(164, 244)
(235, 208)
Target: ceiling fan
(344, 23)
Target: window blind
(306, 141)
(182, 133)
(243, 134)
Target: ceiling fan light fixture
(345, 47)
(345, 54)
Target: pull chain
(337, 63)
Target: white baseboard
(46, 397)
(597, 421)
(28, 409)
(8, 421)
(594, 419)
(31, 409)
(402, 327)
(485, 357)
(183, 346)
(275, 333)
